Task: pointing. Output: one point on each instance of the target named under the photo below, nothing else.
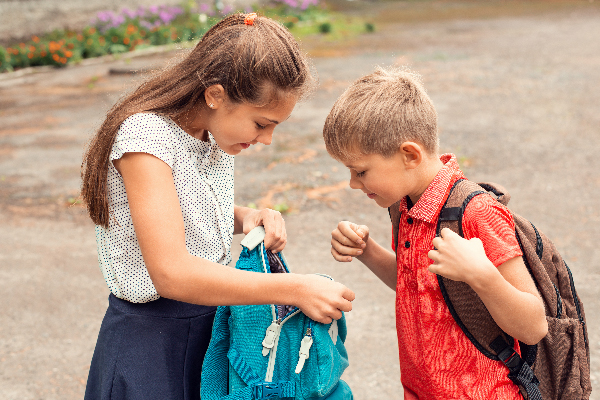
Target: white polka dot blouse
(203, 176)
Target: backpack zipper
(577, 306)
(305, 345)
(272, 339)
(272, 334)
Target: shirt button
(409, 220)
(407, 244)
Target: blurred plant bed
(113, 33)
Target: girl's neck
(190, 122)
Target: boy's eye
(259, 126)
(360, 174)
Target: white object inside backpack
(333, 331)
(254, 238)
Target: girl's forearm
(199, 281)
(381, 262)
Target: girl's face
(235, 127)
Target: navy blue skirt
(150, 351)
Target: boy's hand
(457, 258)
(323, 300)
(348, 240)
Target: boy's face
(383, 179)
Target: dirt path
(517, 97)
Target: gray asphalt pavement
(518, 101)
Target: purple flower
(227, 9)
(130, 14)
(204, 8)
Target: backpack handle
(497, 190)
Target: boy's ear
(412, 154)
(215, 95)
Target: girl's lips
(371, 195)
(245, 145)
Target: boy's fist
(348, 240)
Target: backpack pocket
(327, 361)
(563, 360)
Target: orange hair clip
(249, 20)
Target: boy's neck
(426, 173)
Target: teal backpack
(272, 351)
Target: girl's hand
(322, 299)
(276, 235)
(348, 240)
(459, 259)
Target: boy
(384, 130)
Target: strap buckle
(267, 390)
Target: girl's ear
(215, 96)
(412, 154)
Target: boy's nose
(355, 183)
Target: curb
(6, 76)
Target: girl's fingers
(276, 236)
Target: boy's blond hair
(378, 113)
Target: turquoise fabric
(234, 366)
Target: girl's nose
(265, 138)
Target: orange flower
(68, 54)
(102, 40)
(43, 53)
(92, 31)
(80, 37)
(36, 39)
(31, 48)
(30, 56)
(63, 60)
(71, 46)
(55, 57)
(126, 41)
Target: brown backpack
(558, 367)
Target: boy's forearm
(381, 262)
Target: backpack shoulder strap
(394, 211)
(464, 304)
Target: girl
(158, 184)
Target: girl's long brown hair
(244, 59)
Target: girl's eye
(259, 126)
(360, 174)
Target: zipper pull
(270, 336)
(305, 344)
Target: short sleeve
(145, 133)
(493, 224)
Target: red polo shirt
(437, 360)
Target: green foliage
(4, 61)
(128, 31)
(325, 27)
